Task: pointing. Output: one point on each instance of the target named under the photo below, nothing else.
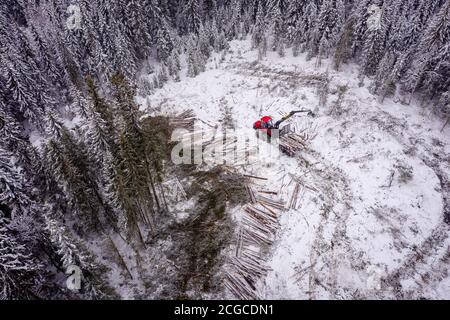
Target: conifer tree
(431, 59)
(164, 42)
(68, 164)
(373, 47)
(133, 166)
(19, 271)
(189, 16)
(174, 66)
(275, 15)
(294, 14)
(195, 59)
(259, 28)
(204, 42)
(13, 188)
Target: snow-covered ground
(370, 224)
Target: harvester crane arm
(291, 114)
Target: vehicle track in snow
(327, 252)
(420, 261)
(429, 261)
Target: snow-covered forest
(91, 92)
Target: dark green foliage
(200, 240)
(157, 132)
(68, 163)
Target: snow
(376, 224)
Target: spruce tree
(164, 42)
(430, 66)
(189, 16)
(132, 165)
(68, 164)
(260, 24)
(174, 66)
(275, 15)
(19, 271)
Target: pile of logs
(242, 279)
(258, 227)
(220, 148)
(265, 201)
(260, 222)
(184, 120)
(251, 193)
(258, 230)
(292, 142)
(297, 137)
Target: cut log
(294, 197)
(251, 194)
(255, 177)
(270, 202)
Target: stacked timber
(184, 120)
(292, 143)
(259, 226)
